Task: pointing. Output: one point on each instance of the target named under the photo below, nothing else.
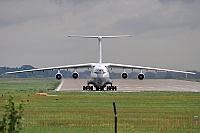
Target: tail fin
(99, 38)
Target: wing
(52, 68)
(145, 68)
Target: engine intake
(124, 75)
(75, 75)
(141, 76)
(58, 76)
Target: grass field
(85, 112)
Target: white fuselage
(99, 74)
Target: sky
(165, 33)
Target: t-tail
(99, 39)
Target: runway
(130, 85)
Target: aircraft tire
(109, 88)
(91, 88)
(84, 88)
(88, 88)
(115, 88)
(112, 88)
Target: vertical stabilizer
(99, 39)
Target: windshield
(99, 71)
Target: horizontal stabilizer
(99, 36)
(99, 39)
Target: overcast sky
(165, 33)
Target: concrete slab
(131, 85)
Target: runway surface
(130, 85)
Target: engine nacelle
(124, 75)
(141, 76)
(58, 76)
(75, 75)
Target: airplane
(99, 77)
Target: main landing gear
(90, 88)
(111, 88)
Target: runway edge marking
(60, 85)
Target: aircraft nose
(99, 76)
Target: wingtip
(190, 73)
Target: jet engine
(58, 76)
(124, 75)
(75, 75)
(141, 76)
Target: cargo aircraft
(99, 77)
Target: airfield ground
(152, 106)
(137, 85)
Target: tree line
(86, 74)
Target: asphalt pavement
(130, 85)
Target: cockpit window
(99, 71)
